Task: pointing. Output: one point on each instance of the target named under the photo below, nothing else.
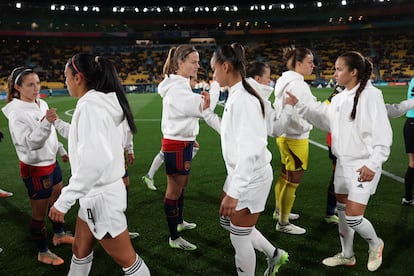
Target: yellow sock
(280, 184)
(286, 202)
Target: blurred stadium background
(136, 36)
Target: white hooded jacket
(33, 136)
(368, 137)
(96, 152)
(298, 128)
(181, 109)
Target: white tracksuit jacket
(96, 152)
(243, 138)
(181, 109)
(368, 137)
(33, 136)
(298, 128)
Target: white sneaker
(290, 228)
(407, 202)
(274, 263)
(292, 216)
(181, 243)
(339, 259)
(375, 257)
(186, 226)
(4, 193)
(149, 182)
(133, 235)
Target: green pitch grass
(214, 256)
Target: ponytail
(253, 92)
(234, 54)
(100, 74)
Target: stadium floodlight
(53, 7)
(343, 2)
(136, 9)
(158, 9)
(114, 9)
(214, 9)
(207, 9)
(196, 9)
(319, 4)
(76, 8)
(122, 9)
(145, 10)
(235, 8)
(171, 9)
(262, 7)
(270, 7)
(251, 7)
(85, 8)
(62, 7)
(282, 6)
(18, 5)
(291, 6)
(227, 8)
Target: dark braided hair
(234, 54)
(355, 60)
(100, 74)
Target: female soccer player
(181, 111)
(408, 199)
(361, 139)
(243, 133)
(294, 143)
(32, 128)
(97, 164)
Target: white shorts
(257, 191)
(346, 182)
(104, 212)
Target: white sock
(156, 164)
(364, 228)
(245, 256)
(80, 266)
(262, 244)
(195, 150)
(138, 268)
(225, 223)
(346, 233)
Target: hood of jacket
(106, 101)
(264, 90)
(283, 82)
(172, 80)
(17, 105)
